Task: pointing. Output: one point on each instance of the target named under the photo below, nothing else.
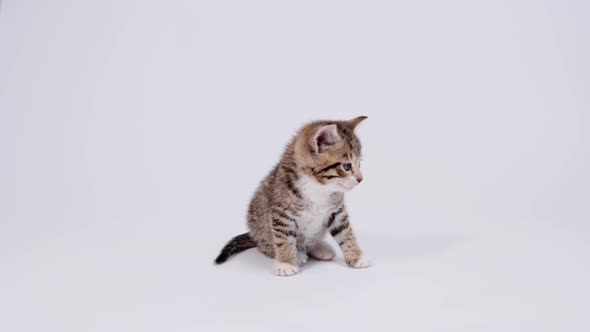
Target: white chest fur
(312, 220)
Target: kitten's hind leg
(322, 252)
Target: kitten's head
(330, 153)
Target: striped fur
(302, 199)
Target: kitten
(303, 198)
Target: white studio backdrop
(132, 135)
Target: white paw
(284, 269)
(362, 263)
(302, 256)
(322, 252)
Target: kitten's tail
(234, 246)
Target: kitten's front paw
(360, 263)
(284, 269)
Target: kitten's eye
(347, 166)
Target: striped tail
(235, 246)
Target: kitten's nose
(359, 179)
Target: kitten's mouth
(347, 186)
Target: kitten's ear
(354, 122)
(323, 136)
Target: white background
(133, 133)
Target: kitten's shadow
(409, 246)
(377, 246)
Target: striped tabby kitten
(302, 199)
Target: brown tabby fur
(278, 211)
